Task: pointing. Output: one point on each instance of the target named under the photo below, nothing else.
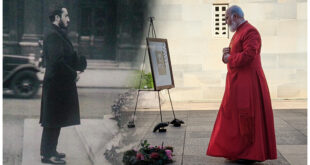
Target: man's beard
(233, 27)
(63, 27)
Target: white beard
(233, 27)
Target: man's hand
(226, 54)
(77, 78)
(225, 58)
(226, 50)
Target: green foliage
(146, 80)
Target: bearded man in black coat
(59, 104)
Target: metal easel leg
(161, 125)
(131, 124)
(176, 122)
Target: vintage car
(20, 75)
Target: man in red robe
(244, 127)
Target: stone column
(32, 27)
(10, 27)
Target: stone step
(68, 143)
(108, 64)
(84, 144)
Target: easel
(160, 126)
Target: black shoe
(52, 160)
(60, 155)
(245, 161)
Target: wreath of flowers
(149, 155)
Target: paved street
(97, 140)
(94, 104)
(191, 140)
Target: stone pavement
(101, 142)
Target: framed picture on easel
(160, 63)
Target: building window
(220, 28)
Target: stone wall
(196, 55)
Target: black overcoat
(59, 103)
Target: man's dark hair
(52, 15)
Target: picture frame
(160, 63)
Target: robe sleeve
(56, 56)
(250, 46)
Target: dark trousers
(49, 141)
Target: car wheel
(25, 84)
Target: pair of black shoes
(55, 159)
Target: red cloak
(244, 127)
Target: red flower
(154, 155)
(139, 156)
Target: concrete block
(200, 128)
(168, 12)
(179, 47)
(290, 44)
(176, 136)
(166, 141)
(286, 1)
(199, 150)
(214, 62)
(287, 44)
(293, 61)
(177, 74)
(292, 28)
(185, 2)
(179, 83)
(257, 1)
(198, 134)
(269, 60)
(200, 121)
(287, 137)
(148, 99)
(302, 10)
(192, 81)
(173, 29)
(299, 76)
(278, 75)
(292, 90)
(177, 160)
(267, 27)
(187, 67)
(69, 142)
(286, 9)
(95, 78)
(217, 1)
(168, 28)
(198, 159)
(185, 94)
(196, 12)
(196, 141)
(204, 79)
(188, 59)
(269, 44)
(294, 154)
(251, 11)
(207, 28)
(214, 93)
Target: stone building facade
(189, 26)
(116, 30)
(99, 29)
